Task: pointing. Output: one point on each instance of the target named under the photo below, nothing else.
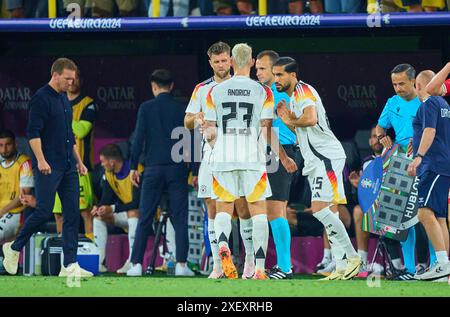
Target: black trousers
(173, 179)
(66, 183)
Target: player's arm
(107, 200)
(436, 86)
(209, 130)
(272, 139)
(429, 123)
(85, 125)
(307, 119)
(82, 169)
(189, 120)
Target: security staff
(156, 120)
(55, 163)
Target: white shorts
(205, 177)
(229, 186)
(326, 182)
(9, 226)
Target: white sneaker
(135, 270)
(102, 269)
(124, 269)
(181, 270)
(11, 258)
(330, 268)
(249, 270)
(216, 275)
(74, 269)
(444, 279)
(436, 271)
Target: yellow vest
(10, 183)
(123, 188)
(77, 110)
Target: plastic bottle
(170, 267)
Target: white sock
(222, 226)
(397, 263)
(336, 232)
(326, 255)
(363, 255)
(260, 238)
(217, 266)
(121, 219)
(246, 229)
(132, 225)
(442, 257)
(100, 237)
(170, 237)
(338, 251)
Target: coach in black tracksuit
(156, 120)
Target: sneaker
(74, 269)
(227, 263)
(249, 271)
(183, 270)
(278, 274)
(102, 269)
(444, 279)
(353, 265)
(11, 258)
(420, 269)
(124, 269)
(334, 276)
(215, 275)
(436, 271)
(330, 268)
(363, 271)
(401, 275)
(260, 275)
(135, 270)
(162, 268)
(322, 265)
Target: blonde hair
(241, 54)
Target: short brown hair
(63, 63)
(112, 152)
(218, 48)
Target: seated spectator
(179, 8)
(404, 5)
(246, 7)
(119, 202)
(21, 9)
(298, 6)
(223, 7)
(342, 6)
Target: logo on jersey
(203, 189)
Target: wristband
(419, 155)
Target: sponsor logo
(104, 24)
(366, 183)
(15, 98)
(358, 96)
(117, 97)
(283, 21)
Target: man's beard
(7, 157)
(222, 74)
(283, 88)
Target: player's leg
(257, 189)
(432, 192)
(362, 237)
(225, 191)
(246, 231)
(327, 189)
(280, 184)
(205, 181)
(86, 202)
(100, 229)
(128, 221)
(328, 264)
(57, 213)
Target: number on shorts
(317, 183)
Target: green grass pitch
(162, 286)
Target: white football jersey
(238, 105)
(317, 143)
(198, 103)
